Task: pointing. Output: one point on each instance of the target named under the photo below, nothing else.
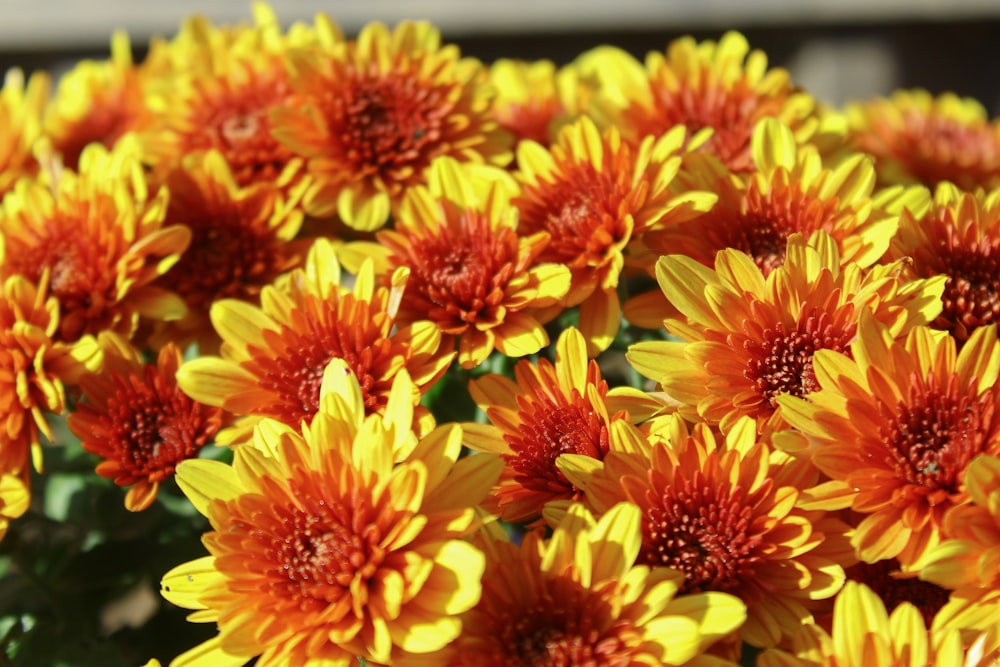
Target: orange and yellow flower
(594, 195)
(471, 274)
(21, 109)
(273, 355)
(98, 238)
(549, 409)
(894, 426)
(137, 420)
(957, 237)
(723, 512)
(323, 548)
(372, 113)
(916, 137)
(747, 339)
(581, 598)
(864, 634)
(721, 87)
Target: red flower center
(529, 120)
(972, 289)
(925, 596)
(937, 148)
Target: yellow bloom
(21, 109)
(470, 273)
(15, 497)
(322, 549)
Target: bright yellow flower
(894, 425)
(322, 549)
(723, 87)
(916, 137)
(372, 113)
(865, 635)
(273, 356)
(21, 109)
(723, 512)
(748, 339)
(471, 274)
(98, 238)
(580, 598)
(958, 237)
(594, 195)
(549, 409)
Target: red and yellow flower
(894, 426)
(324, 549)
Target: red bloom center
(972, 288)
(529, 120)
(936, 148)
(894, 590)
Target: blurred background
(836, 49)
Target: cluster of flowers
(281, 240)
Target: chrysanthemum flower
(273, 356)
(724, 514)
(374, 112)
(748, 339)
(21, 109)
(99, 239)
(136, 418)
(724, 87)
(968, 561)
(472, 275)
(958, 237)
(97, 101)
(34, 369)
(323, 550)
(593, 195)
(580, 598)
(894, 586)
(528, 99)
(916, 137)
(894, 425)
(549, 409)
(865, 635)
(241, 240)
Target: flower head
(748, 339)
(273, 356)
(21, 108)
(471, 273)
(323, 549)
(895, 425)
(138, 420)
(581, 598)
(916, 137)
(372, 113)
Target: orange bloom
(273, 356)
(724, 514)
(723, 87)
(21, 110)
(748, 339)
(98, 238)
(137, 420)
(322, 549)
(916, 137)
(552, 409)
(471, 274)
(374, 112)
(241, 240)
(580, 598)
(895, 425)
(959, 237)
(594, 195)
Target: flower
(15, 498)
(471, 274)
(958, 237)
(373, 112)
(895, 425)
(580, 598)
(916, 137)
(593, 195)
(21, 109)
(273, 356)
(552, 409)
(529, 97)
(748, 339)
(138, 420)
(322, 549)
(722, 511)
(721, 87)
(98, 238)
(241, 240)
(893, 587)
